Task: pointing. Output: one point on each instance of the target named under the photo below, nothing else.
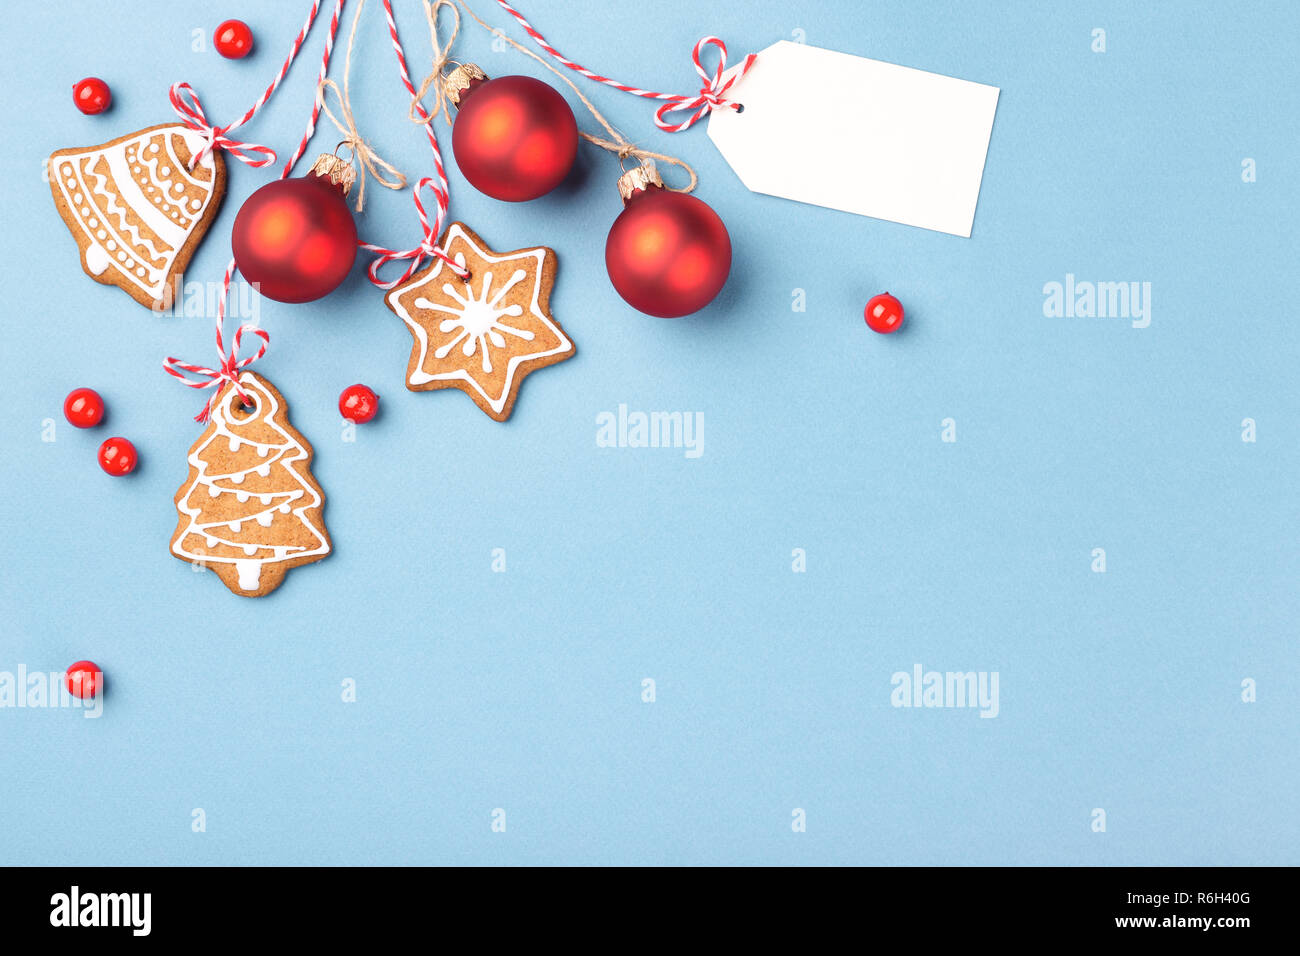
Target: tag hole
(242, 410)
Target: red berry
(233, 39)
(117, 457)
(84, 679)
(884, 313)
(358, 403)
(92, 95)
(83, 407)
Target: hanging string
(435, 79)
(428, 247)
(229, 366)
(616, 143)
(709, 98)
(187, 106)
(363, 154)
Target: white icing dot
(67, 169)
(152, 190)
(112, 244)
(101, 234)
(250, 549)
(140, 272)
(135, 169)
(195, 204)
(238, 480)
(164, 170)
(121, 257)
(266, 499)
(211, 541)
(264, 470)
(144, 180)
(284, 508)
(241, 496)
(236, 525)
(153, 147)
(264, 450)
(264, 519)
(213, 491)
(234, 443)
(85, 210)
(156, 199)
(78, 197)
(92, 222)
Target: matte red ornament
(84, 679)
(884, 313)
(83, 407)
(92, 95)
(294, 239)
(117, 456)
(233, 39)
(514, 137)
(668, 254)
(358, 403)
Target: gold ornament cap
(460, 79)
(337, 171)
(639, 179)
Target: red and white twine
(712, 94)
(428, 247)
(230, 365)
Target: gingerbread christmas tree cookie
(136, 208)
(250, 508)
(483, 334)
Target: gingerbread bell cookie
(136, 207)
(483, 334)
(250, 509)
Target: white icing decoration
(250, 574)
(82, 181)
(224, 424)
(96, 259)
(475, 322)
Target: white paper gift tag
(860, 135)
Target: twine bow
(434, 79)
(711, 96)
(363, 154)
(427, 250)
(228, 368)
(187, 106)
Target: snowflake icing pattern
(477, 320)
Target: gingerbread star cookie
(137, 209)
(484, 334)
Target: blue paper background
(522, 690)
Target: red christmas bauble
(668, 254)
(84, 679)
(83, 407)
(92, 95)
(295, 239)
(358, 404)
(233, 39)
(884, 313)
(118, 457)
(514, 137)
